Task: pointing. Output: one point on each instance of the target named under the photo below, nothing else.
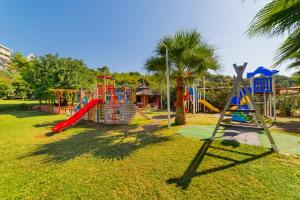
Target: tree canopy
(52, 71)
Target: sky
(123, 34)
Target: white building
(30, 57)
(5, 56)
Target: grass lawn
(144, 160)
(18, 101)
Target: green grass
(144, 160)
(286, 142)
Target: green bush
(217, 98)
(12, 107)
(288, 103)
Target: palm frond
(294, 65)
(288, 48)
(294, 61)
(188, 53)
(155, 64)
(277, 17)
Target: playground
(150, 100)
(82, 139)
(134, 161)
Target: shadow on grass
(163, 116)
(290, 126)
(47, 124)
(191, 170)
(26, 113)
(109, 142)
(231, 143)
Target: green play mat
(199, 131)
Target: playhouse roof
(63, 91)
(143, 89)
(263, 71)
(147, 92)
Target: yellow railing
(65, 109)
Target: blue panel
(234, 100)
(190, 90)
(127, 96)
(244, 107)
(262, 85)
(120, 95)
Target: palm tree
(189, 56)
(278, 18)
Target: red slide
(65, 124)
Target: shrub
(217, 98)
(13, 107)
(288, 103)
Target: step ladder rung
(241, 110)
(241, 126)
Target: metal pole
(252, 86)
(194, 98)
(168, 87)
(274, 96)
(200, 97)
(204, 88)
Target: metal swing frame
(258, 118)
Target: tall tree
(189, 55)
(277, 18)
(6, 87)
(103, 70)
(52, 71)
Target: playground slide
(73, 119)
(245, 100)
(211, 107)
(208, 105)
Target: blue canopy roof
(263, 71)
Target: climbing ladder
(258, 117)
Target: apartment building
(5, 56)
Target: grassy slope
(133, 161)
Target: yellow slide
(208, 105)
(214, 109)
(245, 100)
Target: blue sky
(122, 34)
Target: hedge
(14, 107)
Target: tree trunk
(40, 101)
(180, 114)
(161, 102)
